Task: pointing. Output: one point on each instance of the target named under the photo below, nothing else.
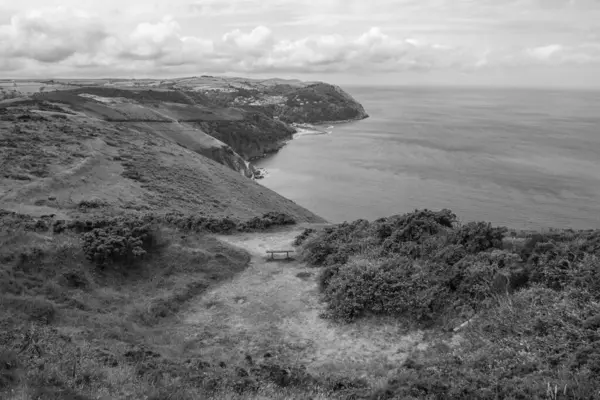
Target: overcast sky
(488, 42)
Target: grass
(86, 165)
(74, 329)
(71, 329)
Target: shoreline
(302, 129)
(342, 121)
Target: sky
(546, 43)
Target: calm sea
(527, 159)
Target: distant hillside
(287, 100)
(59, 151)
(230, 120)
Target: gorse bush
(125, 242)
(267, 221)
(464, 266)
(476, 237)
(534, 312)
(366, 288)
(301, 238)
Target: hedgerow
(181, 221)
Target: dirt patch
(267, 309)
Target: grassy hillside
(105, 238)
(250, 116)
(75, 326)
(527, 309)
(53, 158)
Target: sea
(521, 158)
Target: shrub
(326, 275)
(268, 220)
(124, 243)
(362, 287)
(527, 346)
(450, 254)
(476, 237)
(301, 238)
(91, 204)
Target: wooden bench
(273, 252)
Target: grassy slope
(53, 160)
(70, 330)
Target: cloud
(253, 43)
(544, 52)
(67, 41)
(151, 41)
(557, 54)
(66, 38)
(51, 35)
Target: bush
(422, 266)
(362, 287)
(476, 237)
(267, 221)
(326, 275)
(525, 347)
(301, 238)
(123, 243)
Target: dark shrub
(450, 254)
(300, 239)
(91, 204)
(267, 221)
(326, 275)
(476, 237)
(395, 289)
(124, 242)
(529, 246)
(319, 252)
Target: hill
(108, 204)
(252, 117)
(58, 151)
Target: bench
(273, 252)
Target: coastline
(302, 129)
(341, 121)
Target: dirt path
(274, 307)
